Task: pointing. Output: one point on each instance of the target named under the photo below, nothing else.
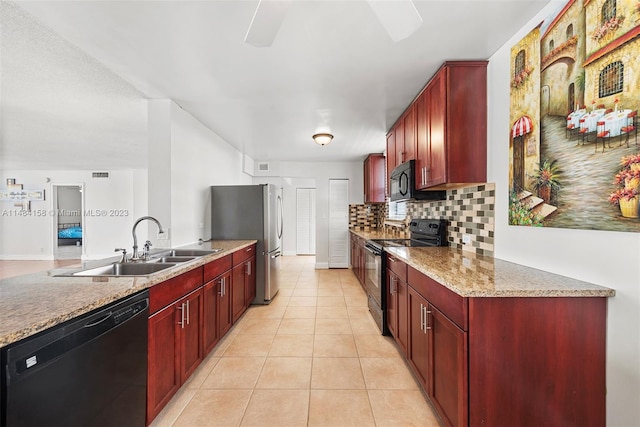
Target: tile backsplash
(470, 211)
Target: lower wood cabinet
(397, 320)
(499, 361)
(189, 314)
(174, 337)
(448, 367)
(217, 310)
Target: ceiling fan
(400, 19)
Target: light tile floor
(313, 357)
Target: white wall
(604, 258)
(321, 172)
(289, 186)
(188, 160)
(31, 236)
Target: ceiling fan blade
(400, 17)
(266, 21)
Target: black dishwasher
(88, 371)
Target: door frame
(54, 216)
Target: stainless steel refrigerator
(252, 212)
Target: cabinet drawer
(448, 302)
(397, 266)
(243, 254)
(165, 293)
(216, 268)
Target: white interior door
(338, 223)
(305, 221)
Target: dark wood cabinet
(507, 361)
(163, 356)
(374, 178)
(174, 337)
(409, 126)
(397, 300)
(223, 295)
(397, 310)
(188, 318)
(357, 258)
(243, 283)
(418, 349)
(452, 126)
(448, 368)
(190, 331)
(216, 316)
(390, 158)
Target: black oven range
(423, 232)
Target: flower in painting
(622, 193)
(609, 26)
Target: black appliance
(402, 184)
(425, 233)
(89, 371)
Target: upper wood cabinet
(452, 127)
(445, 129)
(374, 178)
(409, 144)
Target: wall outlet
(466, 239)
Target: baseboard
(26, 257)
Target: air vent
(100, 174)
(263, 167)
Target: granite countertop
(376, 234)
(34, 302)
(471, 275)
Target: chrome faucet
(134, 255)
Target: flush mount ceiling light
(322, 138)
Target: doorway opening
(68, 221)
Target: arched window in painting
(611, 79)
(569, 31)
(520, 61)
(608, 11)
(551, 45)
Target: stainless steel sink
(126, 269)
(192, 252)
(173, 259)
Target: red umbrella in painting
(522, 126)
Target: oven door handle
(374, 253)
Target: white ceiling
(332, 67)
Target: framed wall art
(574, 153)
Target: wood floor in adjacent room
(313, 357)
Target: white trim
(322, 265)
(26, 257)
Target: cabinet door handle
(427, 316)
(249, 268)
(181, 322)
(392, 259)
(221, 293)
(248, 249)
(188, 312)
(421, 317)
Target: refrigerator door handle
(275, 254)
(280, 211)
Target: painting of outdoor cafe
(574, 153)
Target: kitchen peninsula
(32, 303)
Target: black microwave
(402, 185)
